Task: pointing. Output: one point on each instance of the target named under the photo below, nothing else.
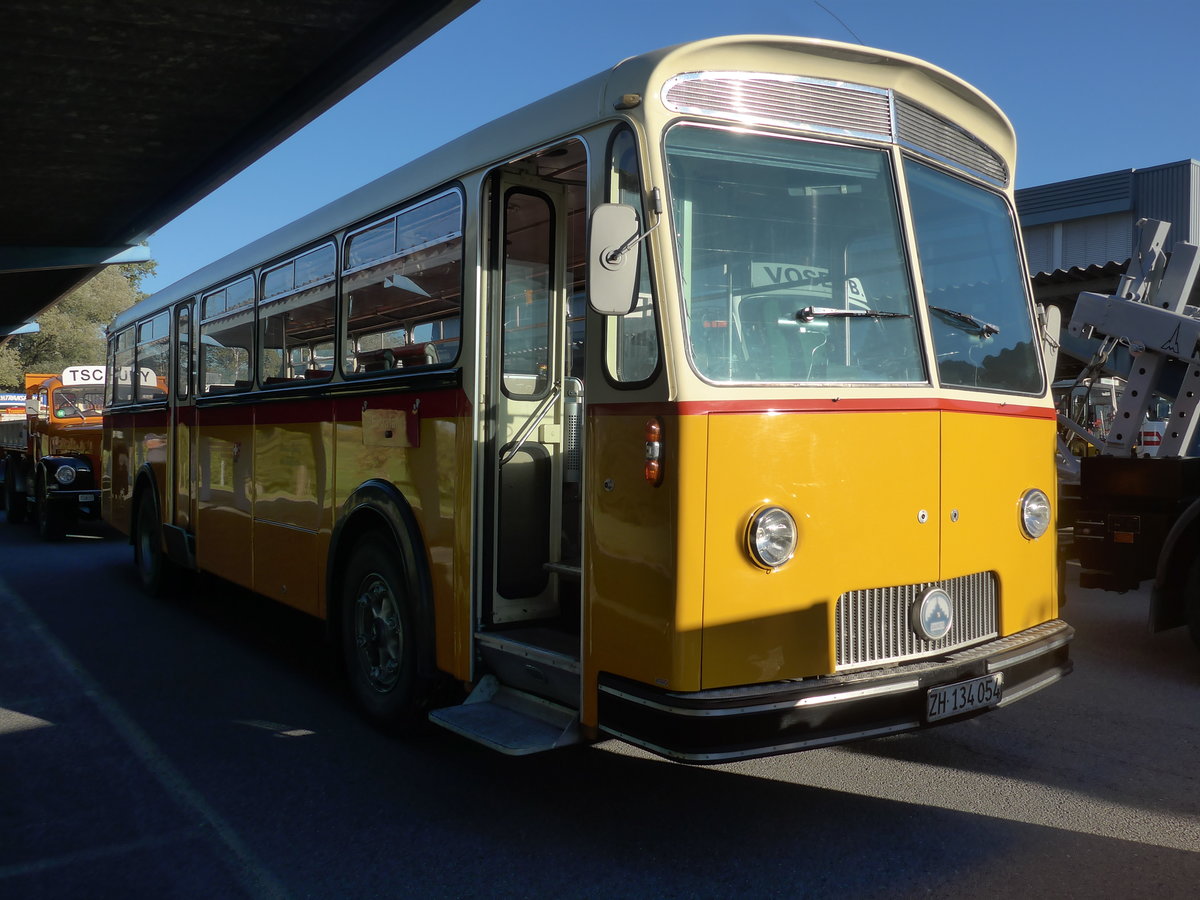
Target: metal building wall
(1091, 221)
(1171, 193)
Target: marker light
(771, 538)
(64, 474)
(1035, 513)
(654, 452)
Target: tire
(14, 502)
(152, 564)
(1193, 618)
(51, 523)
(378, 638)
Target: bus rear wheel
(378, 637)
(1193, 618)
(148, 555)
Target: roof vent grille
(926, 131)
(809, 104)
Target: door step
(509, 720)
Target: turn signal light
(654, 452)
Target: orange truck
(50, 453)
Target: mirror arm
(613, 257)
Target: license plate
(87, 498)
(963, 697)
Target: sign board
(146, 377)
(802, 280)
(78, 376)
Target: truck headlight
(1035, 513)
(64, 475)
(771, 538)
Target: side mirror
(1050, 318)
(613, 254)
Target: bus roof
(558, 114)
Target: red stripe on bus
(823, 405)
(159, 417)
(442, 404)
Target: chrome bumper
(781, 717)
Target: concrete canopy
(117, 115)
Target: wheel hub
(378, 633)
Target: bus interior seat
(773, 349)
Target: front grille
(789, 100)
(872, 625)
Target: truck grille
(872, 625)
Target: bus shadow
(617, 812)
(600, 821)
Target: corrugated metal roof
(1080, 273)
(1078, 198)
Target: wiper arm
(828, 312)
(985, 329)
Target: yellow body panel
(988, 463)
(269, 494)
(637, 623)
(856, 484)
(435, 478)
(293, 512)
(881, 498)
(224, 533)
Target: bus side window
(402, 274)
(153, 359)
(183, 351)
(296, 313)
(121, 379)
(227, 338)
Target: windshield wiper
(828, 312)
(984, 329)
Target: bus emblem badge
(932, 614)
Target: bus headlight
(64, 475)
(1035, 513)
(771, 538)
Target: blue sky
(1091, 86)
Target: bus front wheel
(378, 637)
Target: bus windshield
(791, 260)
(974, 284)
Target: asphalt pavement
(201, 746)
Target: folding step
(509, 720)
(534, 660)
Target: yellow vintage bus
(700, 404)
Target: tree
(135, 272)
(72, 330)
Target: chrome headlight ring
(1035, 516)
(771, 537)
